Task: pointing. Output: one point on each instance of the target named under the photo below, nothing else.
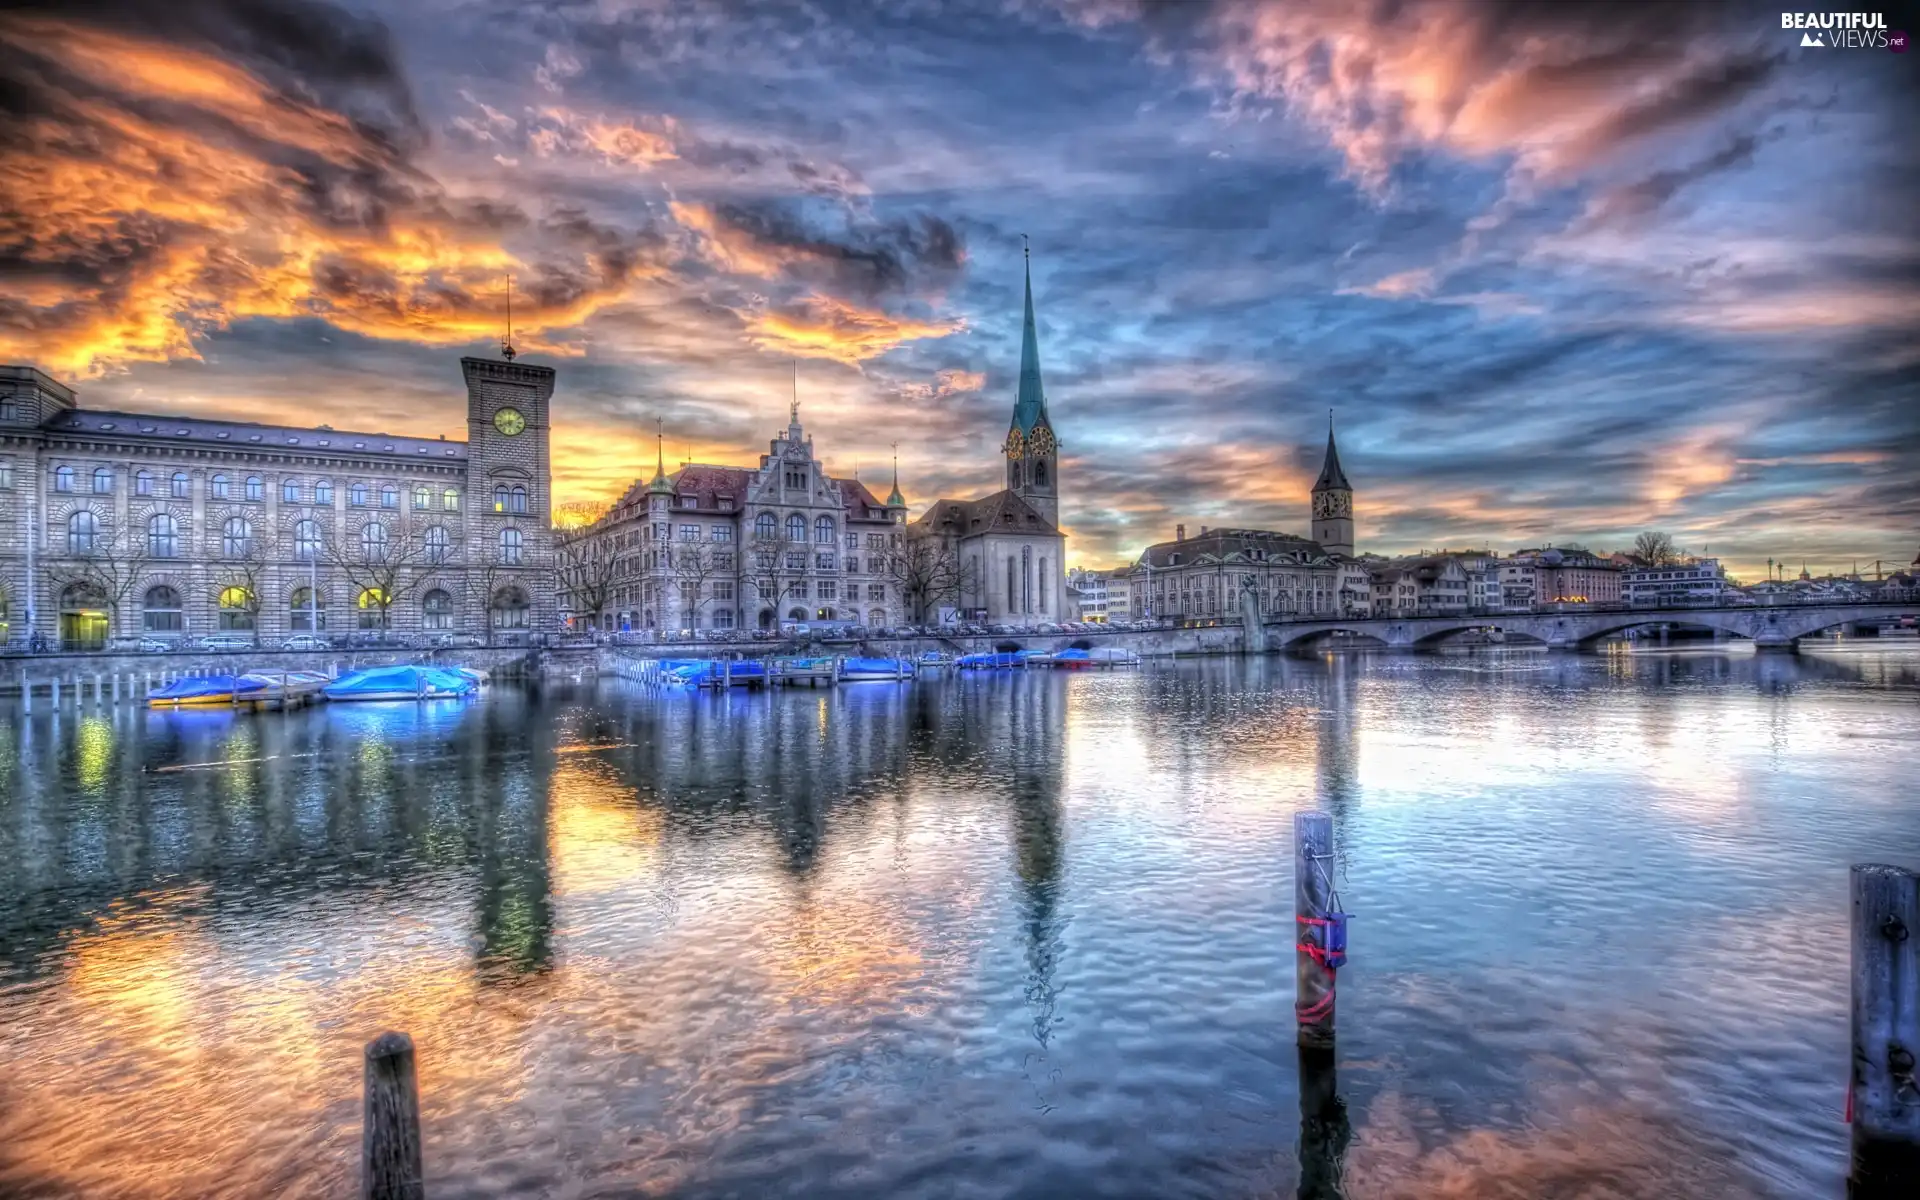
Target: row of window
(292, 491)
(85, 537)
(162, 610)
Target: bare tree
(772, 579)
(110, 564)
(383, 569)
(694, 564)
(585, 569)
(578, 514)
(927, 571)
(1655, 549)
(243, 563)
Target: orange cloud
(822, 327)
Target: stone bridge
(1769, 627)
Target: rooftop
(247, 435)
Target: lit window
(450, 499)
(422, 497)
(236, 609)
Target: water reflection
(1025, 933)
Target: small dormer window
(254, 438)
(106, 424)
(325, 442)
(222, 435)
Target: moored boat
(206, 689)
(400, 683)
(866, 670)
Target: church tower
(1033, 455)
(1333, 502)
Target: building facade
(1695, 581)
(1433, 585)
(1089, 595)
(1002, 557)
(724, 547)
(1202, 577)
(123, 525)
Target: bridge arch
(1292, 641)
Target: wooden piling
(390, 1122)
(1883, 1100)
(56, 692)
(1312, 900)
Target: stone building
(1430, 585)
(723, 547)
(1007, 551)
(116, 525)
(1201, 577)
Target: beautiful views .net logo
(1838, 30)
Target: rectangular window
(796, 562)
(689, 533)
(876, 591)
(797, 479)
(823, 561)
(6, 474)
(219, 487)
(722, 533)
(853, 566)
(290, 491)
(9, 411)
(723, 618)
(723, 560)
(828, 589)
(723, 589)
(876, 541)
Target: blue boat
(713, 673)
(859, 670)
(206, 689)
(987, 662)
(401, 683)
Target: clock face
(1042, 442)
(1330, 504)
(1015, 447)
(509, 421)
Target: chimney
(1179, 533)
(1203, 531)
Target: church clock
(1042, 442)
(509, 421)
(1015, 445)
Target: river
(1014, 935)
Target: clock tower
(1033, 456)
(1333, 502)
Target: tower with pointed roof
(1333, 502)
(1033, 453)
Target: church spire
(660, 483)
(1332, 478)
(894, 498)
(1030, 408)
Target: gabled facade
(1202, 577)
(724, 547)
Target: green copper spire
(894, 498)
(660, 484)
(1030, 408)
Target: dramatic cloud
(1563, 270)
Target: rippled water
(1015, 935)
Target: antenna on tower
(506, 343)
(793, 413)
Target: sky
(1562, 272)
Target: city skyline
(1561, 275)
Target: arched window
(160, 610)
(519, 499)
(218, 487)
(823, 530)
(1040, 473)
(163, 536)
(372, 606)
(796, 527)
(63, 479)
(306, 539)
(877, 617)
(436, 543)
(1013, 587)
(290, 491)
(83, 532)
(307, 611)
(436, 610)
(389, 496)
(177, 486)
(236, 609)
(1026, 579)
(256, 490)
(766, 525)
(323, 492)
(357, 495)
(236, 540)
(509, 609)
(373, 542)
(450, 499)
(102, 480)
(510, 545)
(143, 483)
(499, 497)
(1041, 581)
(422, 497)
(798, 614)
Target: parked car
(305, 641)
(457, 641)
(226, 641)
(153, 645)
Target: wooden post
(1312, 898)
(1324, 1128)
(56, 693)
(390, 1123)
(98, 697)
(1884, 1092)
(26, 692)
(116, 687)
